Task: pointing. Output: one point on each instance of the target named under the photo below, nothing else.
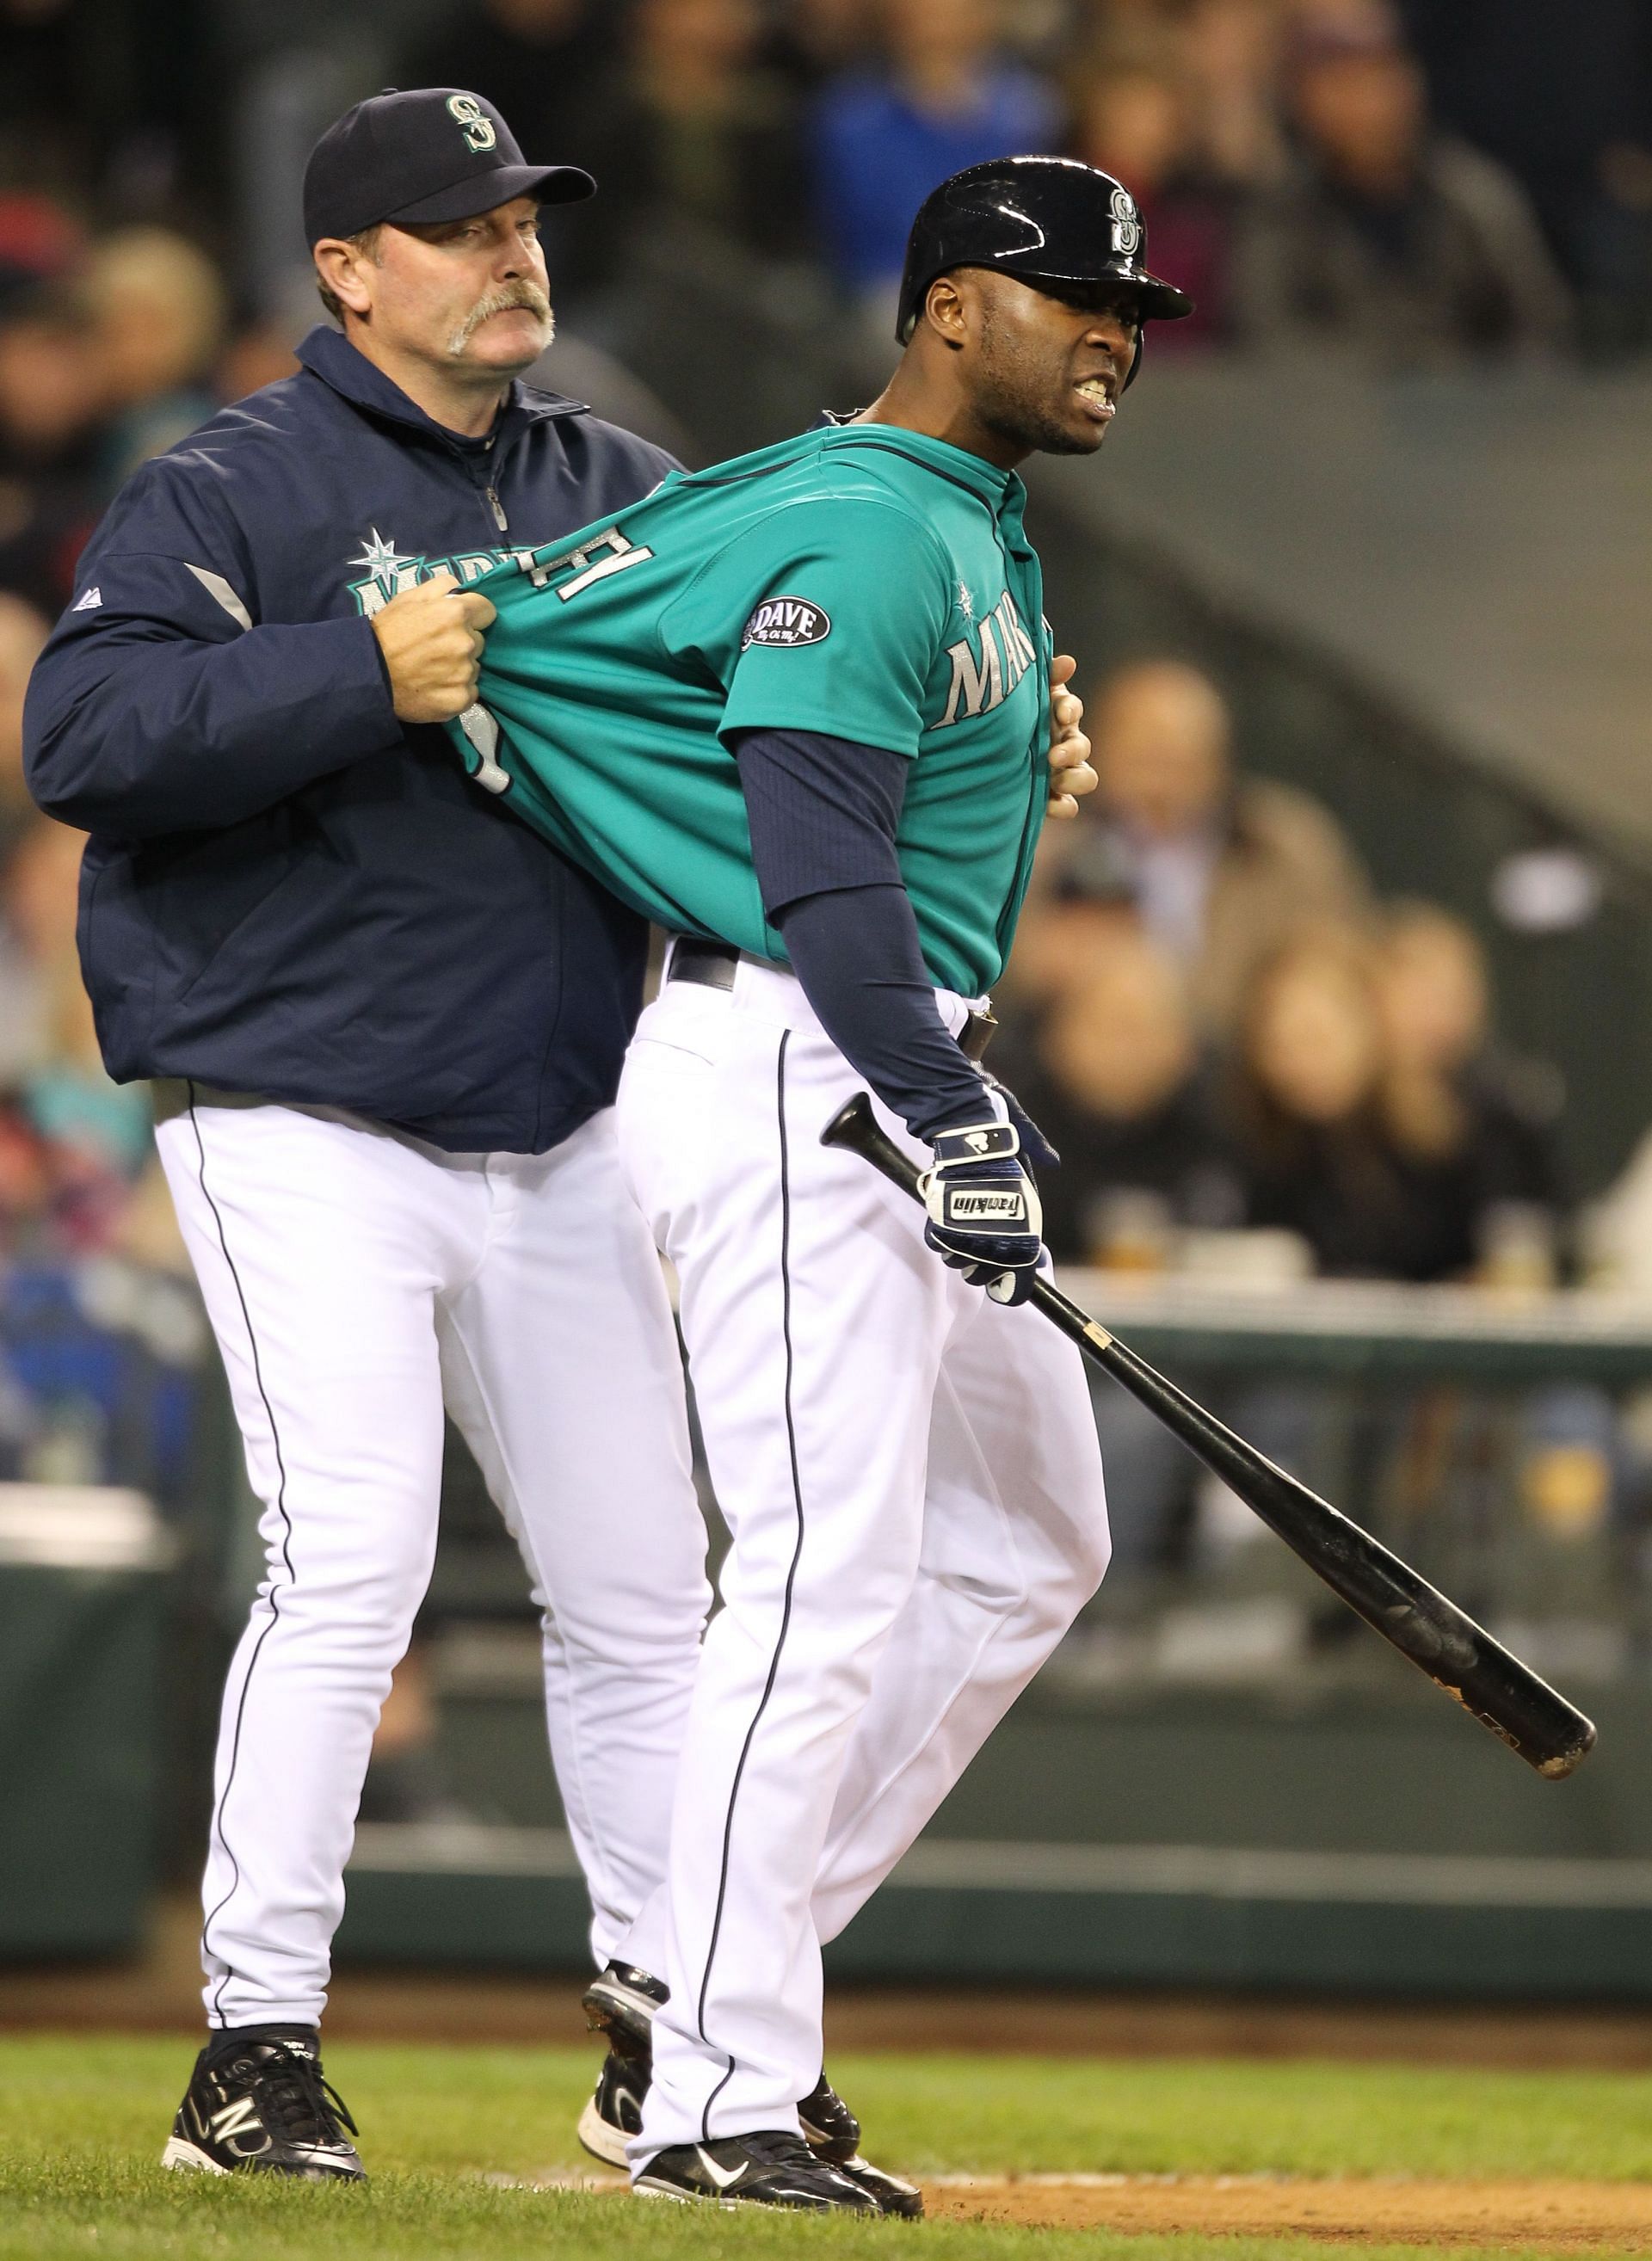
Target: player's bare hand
(1071, 776)
(431, 637)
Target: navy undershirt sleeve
(823, 814)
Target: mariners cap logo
(787, 620)
(478, 130)
(1126, 224)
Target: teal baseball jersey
(865, 581)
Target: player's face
(467, 295)
(1045, 366)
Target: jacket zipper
(498, 509)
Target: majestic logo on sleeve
(782, 622)
(466, 111)
(987, 666)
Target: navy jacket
(285, 891)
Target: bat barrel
(1458, 1656)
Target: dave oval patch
(787, 620)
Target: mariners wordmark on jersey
(390, 572)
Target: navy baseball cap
(432, 153)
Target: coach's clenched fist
(431, 637)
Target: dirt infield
(1539, 2217)
(1558, 2217)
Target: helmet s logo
(466, 111)
(1126, 224)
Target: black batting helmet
(1044, 219)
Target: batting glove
(985, 1218)
(1035, 1147)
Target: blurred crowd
(1411, 184)
(1244, 1057)
(1249, 1061)
(1408, 181)
(1224, 1028)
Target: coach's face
(1045, 364)
(466, 295)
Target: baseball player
(386, 1025)
(831, 660)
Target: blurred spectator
(1136, 121)
(1116, 1086)
(40, 242)
(40, 897)
(1222, 868)
(95, 1135)
(1561, 97)
(23, 630)
(1306, 1112)
(944, 96)
(75, 1148)
(50, 398)
(160, 312)
(1478, 1124)
(709, 132)
(1363, 1126)
(1386, 238)
(1230, 51)
(25, 1195)
(1080, 900)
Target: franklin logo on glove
(1010, 1206)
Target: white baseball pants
(355, 1280)
(913, 1487)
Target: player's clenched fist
(431, 637)
(1071, 775)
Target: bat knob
(850, 1125)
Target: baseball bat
(1458, 1656)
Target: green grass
(82, 2118)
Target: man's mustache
(526, 295)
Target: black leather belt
(713, 965)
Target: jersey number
(621, 553)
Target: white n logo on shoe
(237, 2119)
(724, 2177)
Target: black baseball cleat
(615, 2113)
(257, 2104)
(772, 2168)
(832, 2132)
(621, 2004)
